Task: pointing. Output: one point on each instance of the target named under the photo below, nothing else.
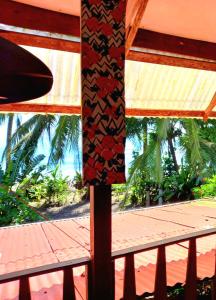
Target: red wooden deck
(39, 244)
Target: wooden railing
(68, 279)
(129, 289)
(160, 289)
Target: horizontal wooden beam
(31, 17)
(171, 60)
(40, 108)
(41, 41)
(210, 107)
(175, 44)
(66, 109)
(71, 46)
(26, 16)
(165, 113)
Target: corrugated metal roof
(148, 86)
(39, 244)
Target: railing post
(160, 291)
(213, 283)
(191, 276)
(100, 242)
(129, 278)
(68, 284)
(24, 289)
(213, 288)
(88, 277)
(113, 279)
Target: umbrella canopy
(23, 76)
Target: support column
(100, 242)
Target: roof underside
(147, 86)
(159, 87)
(193, 19)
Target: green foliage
(179, 186)
(14, 207)
(77, 181)
(206, 190)
(138, 192)
(53, 188)
(118, 192)
(81, 191)
(13, 211)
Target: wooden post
(160, 276)
(129, 278)
(100, 242)
(191, 276)
(24, 289)
(68, 284)
(213, 283)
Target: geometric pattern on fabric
(103, 92)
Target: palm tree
(10, 119)
(198, 152)
(63, 133)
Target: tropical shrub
(13, 211)
(81, 191)
(180, 186)
(14, 207)
(141, 188)
(118, 192)
(53, 188)
(77, 181)
(57, 188)
(208, 189)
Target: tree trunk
(148, 199)
(145, 144)
(160, 200)
(172, 151)
(145, 135)
(9, 135)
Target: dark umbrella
(22, 75)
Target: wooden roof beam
(141, 4)
(72, 46)
(174, 44)
(41, 41)
(31, 17)
(26, 16)
(210, 108)
(66, 109)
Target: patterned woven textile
(103, 103)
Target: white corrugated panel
(148, 86)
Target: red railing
(68, 279)
(160, 290)
(129, 289)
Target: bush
(81, 191)
(206, 190)
(12, 211)
(53, 188)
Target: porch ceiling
(169, 36)
(193, 19)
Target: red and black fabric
(103, 103)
